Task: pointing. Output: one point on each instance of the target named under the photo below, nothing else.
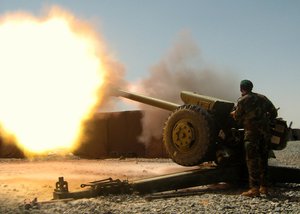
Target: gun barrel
(147, 100)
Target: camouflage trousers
(256, 151)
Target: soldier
(255, 112)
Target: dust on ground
(26, 179)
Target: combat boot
(263, 190)
(253, 192)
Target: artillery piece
(202, 129)
(198, 131)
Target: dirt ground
(27, 179)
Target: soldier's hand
(232, 114)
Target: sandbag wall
(106, 135)
(116, 134)
(10, 150)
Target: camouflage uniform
(254, 112)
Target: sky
(256, 40)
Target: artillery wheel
(189, 135)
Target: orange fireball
(50, 75)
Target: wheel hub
(183, 135)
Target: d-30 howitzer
(202, 129)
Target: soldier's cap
(246, 85)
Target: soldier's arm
(238, 112)
(271, 109)
(273, 112)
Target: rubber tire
(202, 148)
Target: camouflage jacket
(255, 111)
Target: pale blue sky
(256, 39)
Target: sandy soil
(27, 179)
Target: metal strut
(185, 179)
(175, 181)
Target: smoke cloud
(114, 76)
(182, 68)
